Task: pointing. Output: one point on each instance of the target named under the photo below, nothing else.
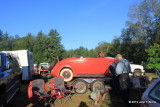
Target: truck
(43, 67)
(137, 70)
(25, 60)
(10, 77)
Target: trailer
(83, 72)
(81, 85)
(25, 60)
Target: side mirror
(11, 65)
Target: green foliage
(54, 47)
(114, 48)
(81, 52)
(6, 41)
(47, 47)
(104, 47)
(142, 30)
(154, 56)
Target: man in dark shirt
(115, 80)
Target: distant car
(151, 97)
(137, 70)
(82, 67)
(43, 67)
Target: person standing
(115, 80)
(122, 71)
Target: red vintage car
(82, 67)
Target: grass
(78, 100)
(153, 75)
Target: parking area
(78, 100)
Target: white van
(25, 60)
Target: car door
(17, 75)
(94, 66)
(1, 67)
(154, 96)
(11, 85)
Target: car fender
(58, 67)
(68, 66)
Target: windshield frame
(0, 60)
(152, 91)
(44, 64)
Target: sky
(79, 22)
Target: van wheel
(67, 74)
(80, 87)
(97, 84)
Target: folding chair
(37, 93)
(59, 90)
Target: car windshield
(44, 64)
(109, 57)
(0, 61)
(155, 93)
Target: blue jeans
(115, 82)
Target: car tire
(137, 73)
(97, 84)
(67, 74)
(80, 86)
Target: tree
(142, 30)
(6, 41)
(54, 48)
(93, 53)
(19, 44)
(144, 21)
(154, 56)
(104, 47)
(29, 42)
(37, 49)
(114, 49)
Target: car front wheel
(67, 74)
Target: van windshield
(0, 61)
